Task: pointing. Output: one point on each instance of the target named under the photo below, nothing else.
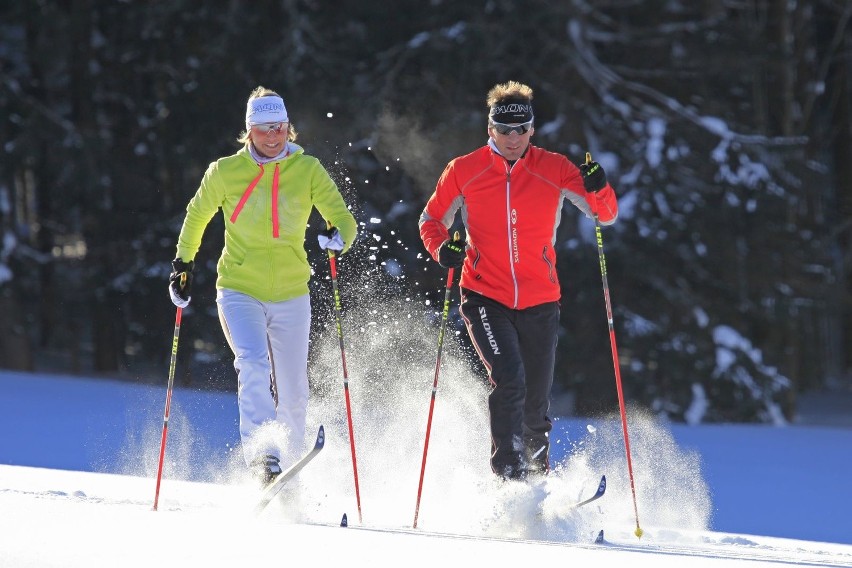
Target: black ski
(598, 494)
(275, 486)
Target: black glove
(451, 254)
(330, 239)
(594, 178)
(180, 282)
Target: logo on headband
(267, 107)
(511, 112)
(511, 108)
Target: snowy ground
(59, 518)
(80, 460)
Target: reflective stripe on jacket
(510, 214)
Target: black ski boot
(265, 469)
(510, 467)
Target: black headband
(511, 111)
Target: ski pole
(332, 259)
(444, 314)
(615, 363)
(178, 315)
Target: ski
(278, 483)
(598, 494)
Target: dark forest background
(724, 126)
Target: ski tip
(602, 485)
(320, 437)
(344, 522)
(600, 538)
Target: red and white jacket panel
(510, 214)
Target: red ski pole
(444, 314)
(168, 403)
(614, 349)
(333, 263)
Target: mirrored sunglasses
(509, 128)
(275, 127)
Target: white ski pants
(270, 345)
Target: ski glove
(180, 282)
(330, 239)
(594, 178)
(451, 254)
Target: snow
(80, 459)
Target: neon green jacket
(264, 255)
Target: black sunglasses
(509, 128)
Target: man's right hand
(180, 282)
(451, 254)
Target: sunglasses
(509, 128)
(275, 127)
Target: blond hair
(261, 91)
(508, 90)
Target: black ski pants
(518, 349)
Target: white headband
(266, 109)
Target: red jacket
(510, 215)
